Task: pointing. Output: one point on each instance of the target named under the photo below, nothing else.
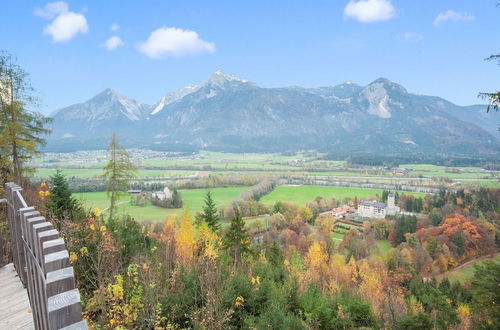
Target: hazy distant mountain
(89, 125)
(228, 113)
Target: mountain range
(228, 113)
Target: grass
(193, 200)
(302, 194)
(437, 168)
(92, 173)
(465, 273)
(450, 175)
(383, 247)
(337, 236)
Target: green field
(451, 175)
(193, 200)
(383, 247)
(465, 273)
(302, 194)
(92, 173)
(337, 236)
(437, 168)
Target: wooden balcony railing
(42, 263)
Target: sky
(75, 49)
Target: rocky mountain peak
(219, 78)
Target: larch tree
(185, 241)
(21, 128)
(117, 172)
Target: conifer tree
(209, 214)
(236, 239)
(176, 199)
(117, 172)
(61, 204)
(21, 129)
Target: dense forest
(195, 273)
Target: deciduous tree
(21, 129)
(117, 172)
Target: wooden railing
(42, 263)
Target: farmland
(193, 200)
(302, 194)
(163, 164)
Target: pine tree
(21, 129)
(209, 214)
(117, 172)
(61, 204)
(236, 239)
(176, 199)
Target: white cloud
(369, 11)
(454, 16)
(114, 27)
(171, 41)
(113, 43)
(65, 25)
(52, 9)
(411, 37)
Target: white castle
(378, 210)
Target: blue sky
(433, 47)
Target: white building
(378, 210)
(372, 209)
(163, 195)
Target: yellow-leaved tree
(185, 242)
(316, 261)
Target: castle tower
(391, 201)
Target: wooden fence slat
(82, 325)
(64, 309)
(54, 245)
(42, 262)
(35, 296)
(60, 281)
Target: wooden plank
(14, 303)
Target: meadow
(193, 200)
(151, 164)
(86, 173)
(465, 273)
(302, 194)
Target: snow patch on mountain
(219, 78)
(173, 97)
(211, 94)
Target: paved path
(15, 310)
